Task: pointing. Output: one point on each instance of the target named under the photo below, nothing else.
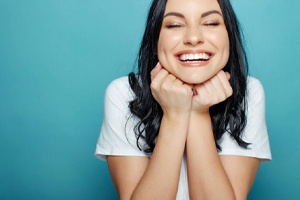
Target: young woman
(191, 123)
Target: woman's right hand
(139, 177)
(173, 95)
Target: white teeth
(198, 56)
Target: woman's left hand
(211, 92)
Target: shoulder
(117, 136)
(254, 84)
(119, 89)
(255, 103)
(121, 81)
(117, 98)
(255, 92)
(119, 84)
(255, 131)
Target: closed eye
(173, 26)
(212, 24)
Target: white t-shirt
(118, 138)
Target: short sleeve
(255, 131)
(117, 136)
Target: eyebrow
(205, 14)
(176, 14)
(211, 12)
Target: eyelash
(173, 26)
(212, 24)
(170, 26)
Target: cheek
(225, 43)
(226, 48)
(218, 36)
(225, 54)
(162, 50)
(168, 41)
(159, 47)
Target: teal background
(56, 59)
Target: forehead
(192, 6)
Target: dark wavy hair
(228, 115)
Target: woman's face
(193, 44)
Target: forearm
(206, 175)
(160, 180)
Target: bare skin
(185, 91)
(210, 176)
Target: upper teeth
(197, 56)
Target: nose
(193, 36)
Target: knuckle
(154, 85)
(165, 87)
(187, 91)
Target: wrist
(199, 119)
(200, 113)
(179, 117)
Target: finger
(209, 87)
(227, 75)
(195, 93)
(220, 90)
(155, 70)
(224, 80)
(170, 78)
(159, 78)
(217, 84)
(200, 89)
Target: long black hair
(228, 115)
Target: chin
(194, 80)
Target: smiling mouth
(198, 57)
